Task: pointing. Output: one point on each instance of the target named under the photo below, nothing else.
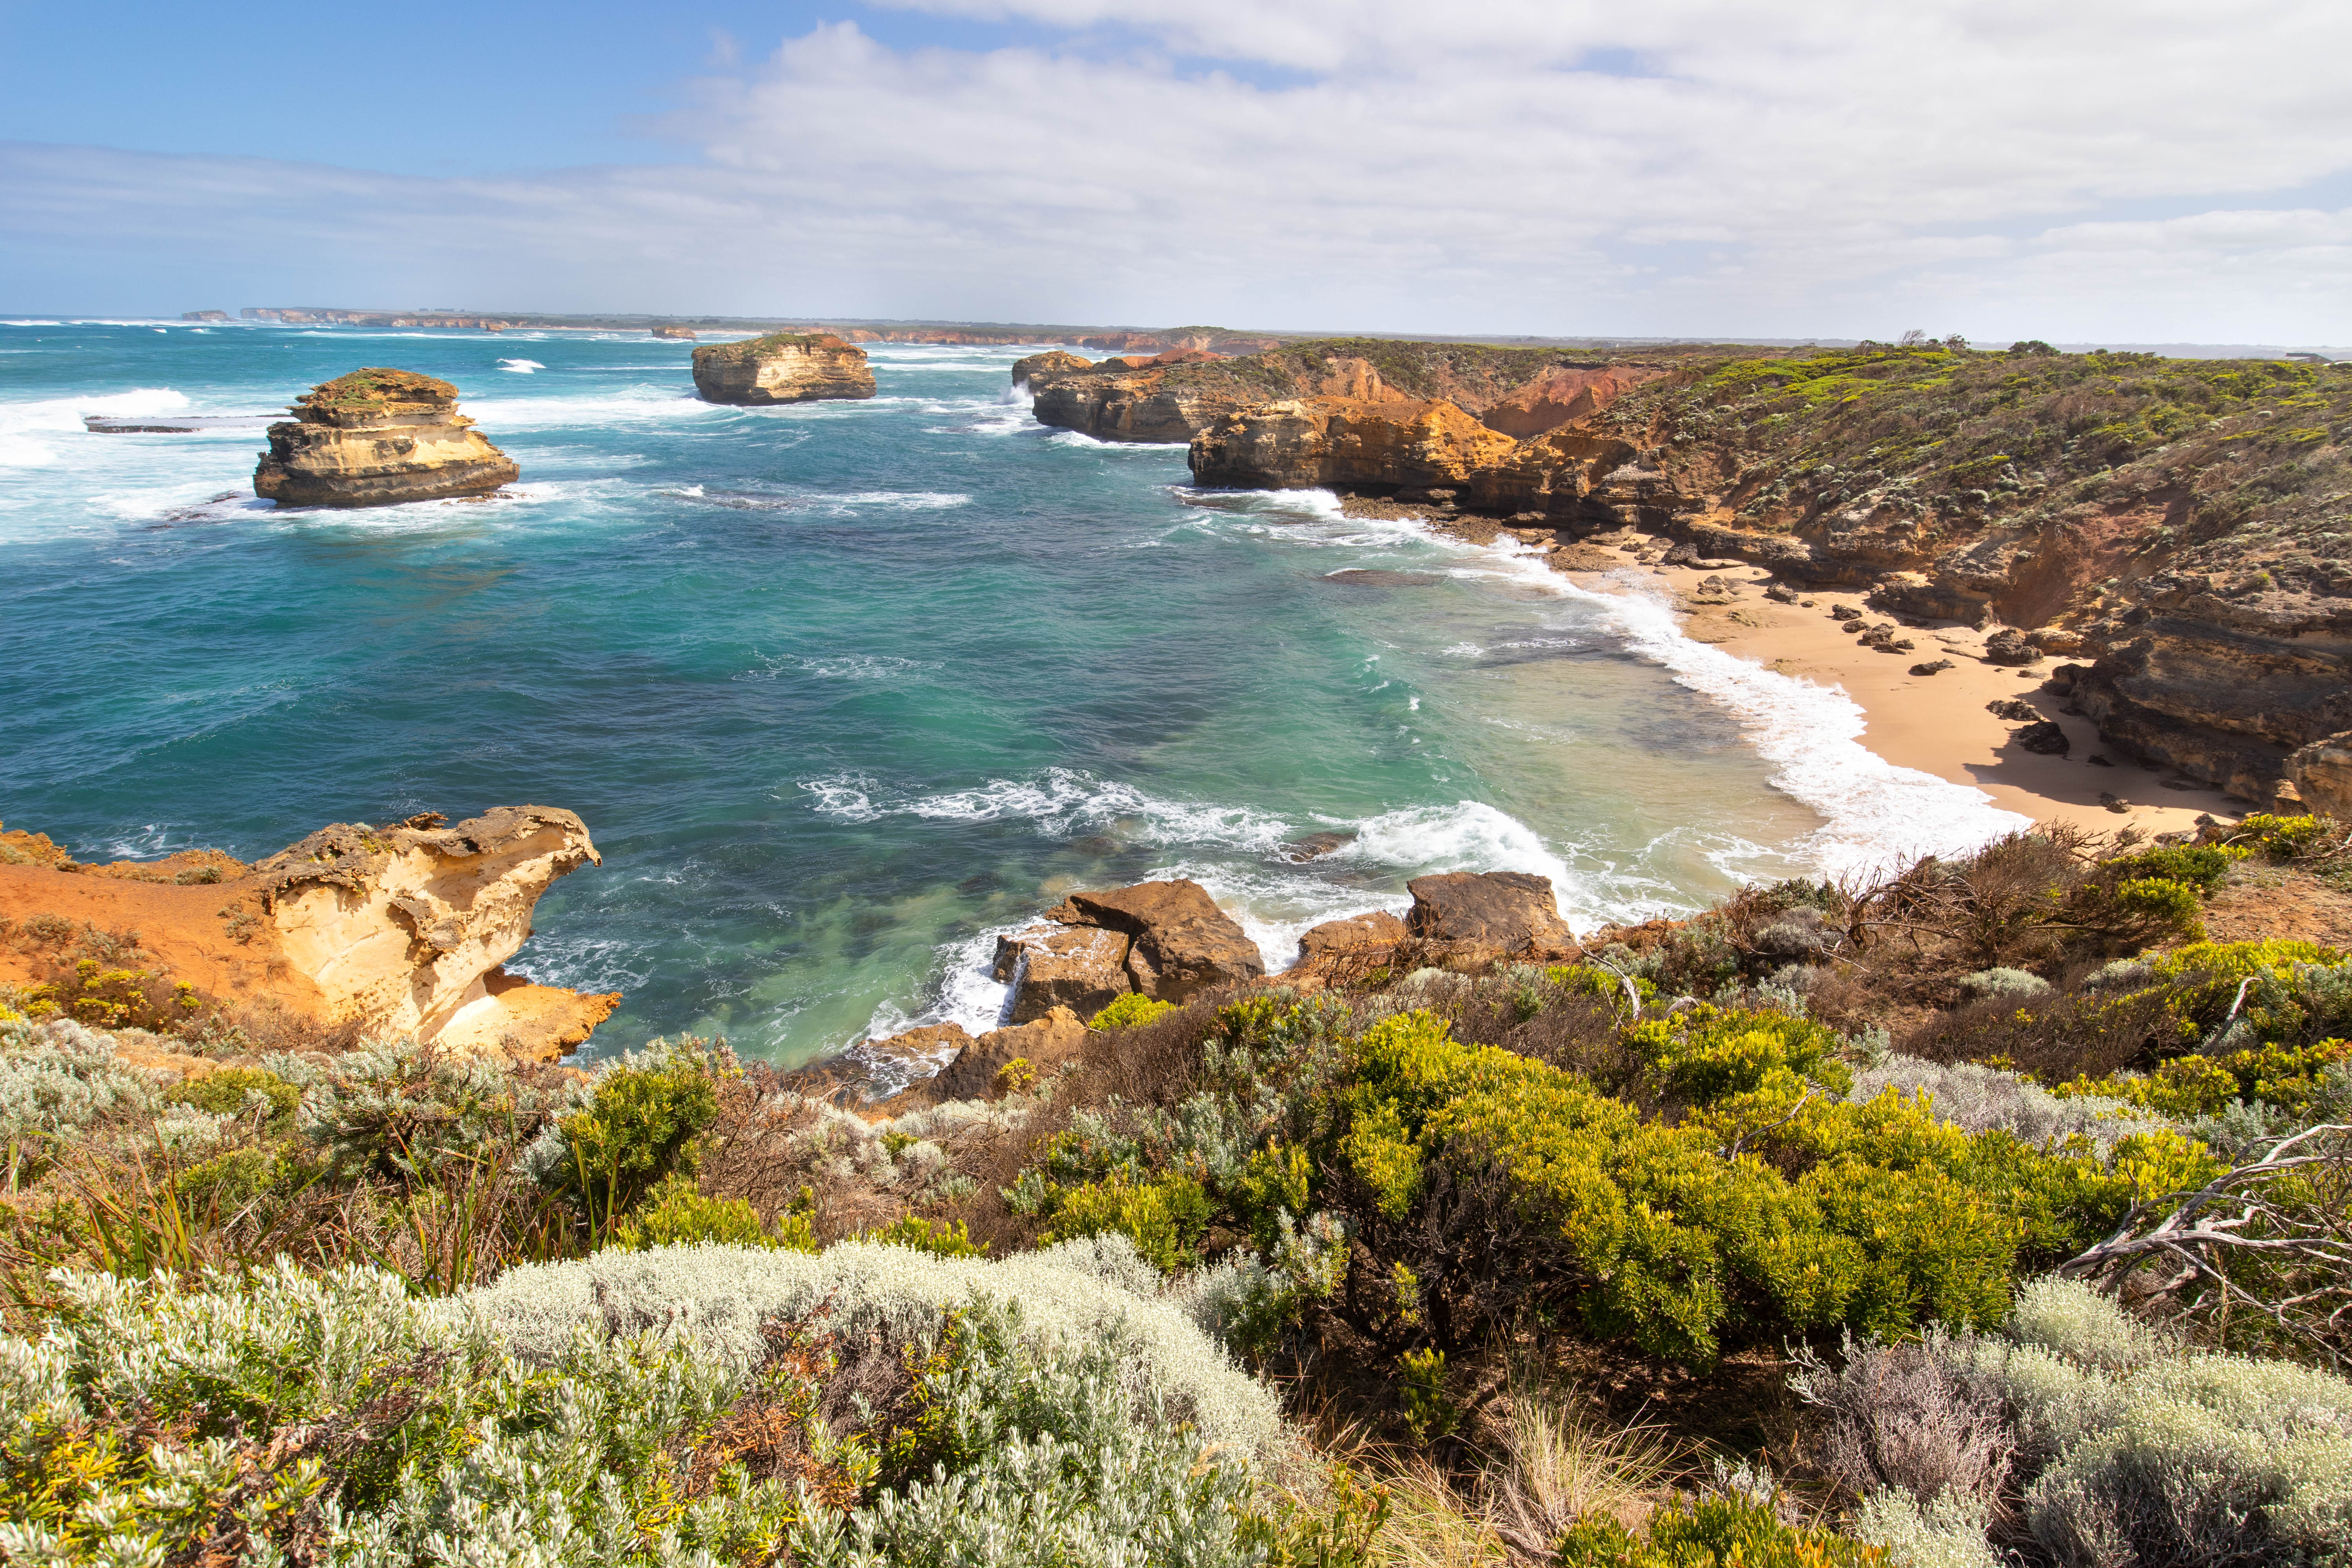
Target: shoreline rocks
(783, 367)
(378, 437)
(408, 928)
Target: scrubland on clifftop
(1992, 1209)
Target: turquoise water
(844, 690)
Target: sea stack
(783, 367)
(378, 437)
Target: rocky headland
(2172, 529)
(783, 367)
(1175, 396)
(402, 929)
(378, 437)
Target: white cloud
(1840, 168)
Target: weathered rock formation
(1166, 939)
(204, 315)
(685, 332)
(1038, 368)
(783, 367)
(1564, 395)
(1176, 396)
(1513, 910)
(1345, 443)
(406, 929)
(378, 437)
(1382, 449)
(402, 929)
(1081, 967)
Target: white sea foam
(520, 367)
(25, 427)
(1875, 813)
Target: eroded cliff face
(1039, 368)
(1346, 443)
(2172, 527)
(1175, 396)
(783, 367)
(406, 929)
(378, 437)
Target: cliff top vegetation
(2230, 474)
(1840, 1224)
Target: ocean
(843, 690)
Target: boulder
(1510, 909)
(1366, 937)
(2320, 775)
(1045, 1043)
(406, 929)
(2008, 646)
(1933, 667)
(2046, 737)
(1083, 968)
(1053, 361)
(783, 367)
(378, 437)
(1183, 944)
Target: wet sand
(1938, 723)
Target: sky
(2075, 170)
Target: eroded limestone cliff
(1175, 396)
(407, 928)
(378, 437)
(783, 367)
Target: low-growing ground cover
(2006, 1162)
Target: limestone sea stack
(378, 437)
(783, 367)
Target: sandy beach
(1941, 724)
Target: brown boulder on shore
(1083, 968)
(1510, 909)
(378, 437)
(783, 367)
(1183, 944)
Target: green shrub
(940, 1238)
(675, 1213)
(1165, 1218)
(1712, 1532)
(2286, 1077)
(224, 1091)
(337, 1420)
(2201, 866)
(1128, 1011)
(2167, 909)
(1775, 1209)
(1420, 1389)
(633, 1127)
(2282, 837)
(1706, 1054)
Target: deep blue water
(840, 689)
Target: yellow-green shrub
(675, 1213)
(1712, 1532)
(1128, 1011)
(2284, 1076)
(1165, 1217)
(1705, 1055)
(1800, 1211)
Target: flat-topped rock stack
(783, 367)
(378, 437)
